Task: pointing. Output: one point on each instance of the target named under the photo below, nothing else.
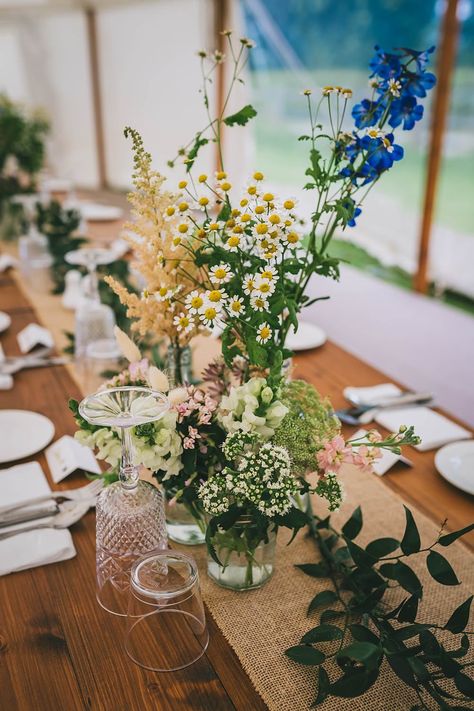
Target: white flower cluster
(262, 478)
(251, 407)
(161, 449)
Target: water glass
(102, 360)
(166, 622)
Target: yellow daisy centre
(176, 241)
(163, 291)
(244, 202)
(196, 302)
(265, 332)
(288, 204)
(264, 287)
(226, 186)
(245, 217)
(258, 175)
(183, 228)
(267, 274)
(292, 237)
(262, 228)
(210, 313)
(259, 210)
(215, 296)
(182, 184)
(213, 226)
(221, 175)
(274, 219)
(233, 241)
(235, 212)
(184, 321)
(202, 178)
(183, 206)
(220, 273)
(204, 201)
(236, 306)
(260, 303)
(268, 197)
(250, 284)
(170, 211)
(252, 190)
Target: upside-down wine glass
(130, 516)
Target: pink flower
(203, 449)
(364, 457)
(188, 443)
(172, 502)
(138, 370)
(333, 454)
(193, 432)
(374, 436)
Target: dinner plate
(23, 433)
(455, 462)
(95, 212)
(307, 336)
(5, 321)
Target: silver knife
(28, 514)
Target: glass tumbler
(166, 623)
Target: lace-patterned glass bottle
(130, 516)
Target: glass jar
(246, 562)
(179, 365)
(183, 526)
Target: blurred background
(95, 67)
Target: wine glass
(130, 513)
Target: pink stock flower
(333, 454)
(138, 370)
(188, 443)
(374, 436)
(194, 433)
(364, 457)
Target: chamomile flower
(233, 242)
(245, 217)
(292, 238)
(170, 213)
(215, 226)
(264, 333)
(183, 228)
(269, 250)
(221, 273)
(194, 301)
(261, 228)
(289, 204)
(270, 273)
(249, 285)
(215, 296)
(375, 132)
(177, 240)
(183, 322)
(258, 302)
(265, 288)
(394, 87)
(164, 293)
(236, 305)
(209, 313)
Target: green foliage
(242, 117)
(60, 227)
(308, 423)
(366, 630)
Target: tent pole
(221, 18)
(91, 20)
(446, 60)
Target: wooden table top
(60, 650)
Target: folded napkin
(433, 428)
(32, 548)
(371, 395)
(6, 262)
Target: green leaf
(364, 653)
(323, 687)
(402, 669)
(404, 575)
(359, 555)
(361, 633)
(241, 117)
(408, 610)
(403, 633)
(440, 569)
(449, 538)
(326, 597)
(382, 546)
(315, 570)
(411, 538)
(322, 633)
(464, 684)
(352, 527)
(303, 654)
(354, 683)
(329, 615)
(460, 617)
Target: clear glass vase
(183, 526)
(244, 565)
(179, 365)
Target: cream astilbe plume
(159, 258)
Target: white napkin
(6, 262)
(34, 335)
(433, 428)
(387, 460)
(371, 395)
(32, 548)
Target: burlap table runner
(261, 624)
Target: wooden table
(60, 651)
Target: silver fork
(90, 491)
(63, 519)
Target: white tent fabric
(149, 76)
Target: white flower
(394, 87)
(157, 379)
(215, 296)
(233, 242)
(264, 333)
(194, 301)
(258, 302)
(221, 273)
(209, 313)
(236, 305)
(269, 272)
(374, 132)
(264, 287)
(249, 285)
(127, 347)
(269, 250)
(183, 322)
(164, 293)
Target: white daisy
(221, 273)
(249, 285)
(264, 333)
(194, 301)
(183, 322)
(164, 293)
(258, 303)
(215, 296)
(269, 272)
(209, 313)
(264, 287)
(236, 305)
(394, 87)
(233, 242)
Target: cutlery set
(39, 359)
(362, 414)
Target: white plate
(23, 433)
(95, 212)
(455, 462)
(5, 321)
(307, 336)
